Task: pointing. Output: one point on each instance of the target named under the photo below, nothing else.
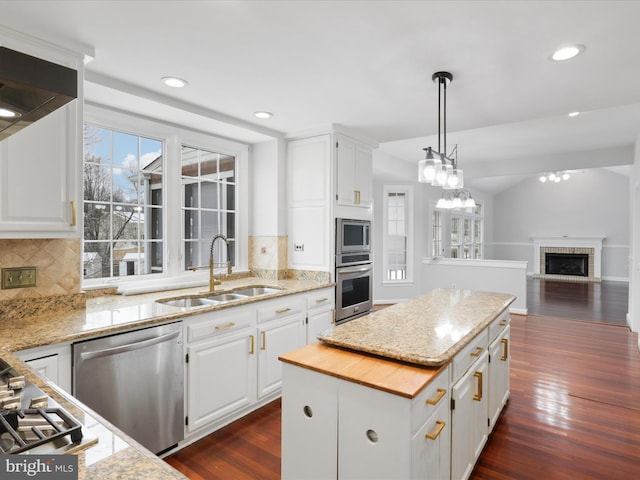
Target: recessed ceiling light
(174, 82)
(6, 113)
(574, 114)
(566, 53)
(263, 114)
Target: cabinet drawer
(320, 299)
(429, 400)
(219, 323)
(280, 308)
(469, 354)
(498, 324)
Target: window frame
(174, 274)
(407, 190)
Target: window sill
(397, 283)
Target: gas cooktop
(32, 422)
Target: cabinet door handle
(477, 352)
(333, 316)
(505, 354)
(434, 401)
(73, 213)
(263, 336)
(357, 197)
(252, 342)
(434, 435)
(283, 310)
(224, 326)
(478, 396)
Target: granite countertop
(116, 455)
(428, 330)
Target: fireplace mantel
(569, 241)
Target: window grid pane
(122, 192)
(396, 243)
(208, 205)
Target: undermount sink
(253, 291)
(226, 297)
(188, 302)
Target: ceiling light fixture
(262, 114)
(6, 113)
(174, 82)
(555, 177)
(567, 53)
(437, 168)
(574, 114)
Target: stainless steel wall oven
(354, 269)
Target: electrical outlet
(20, 277)
(298, 247)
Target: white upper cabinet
(38, 178)
(41, 165)
(354, 173)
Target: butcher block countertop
(428, 330)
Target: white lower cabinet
(232, 358)
(309, 424)
(499, 366)
(276, 338)
(320, 313)
(469, 417)
(371, 434)
(52, 362)
(221, 368)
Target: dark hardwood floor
(605, 302)
(574, 410)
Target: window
(397, 248)
(122, 180)
(466, 233)
(208, 203)
(155, 195)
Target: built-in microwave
(352, 236)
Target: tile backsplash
(57, 260)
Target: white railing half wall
(502, 276)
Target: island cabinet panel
(469, 417)
(499, 367)
(309, 425)
(371, 433)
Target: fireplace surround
(571, 258)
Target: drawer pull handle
(505, 354)
(263, 336)
(224, 326)
(283, 310)
(477, 352)
(252, 341)
(478, 396)
(74, 207)
(434, 401)
(322, 300)
(434, 435)
(503, 323)
(333, 316)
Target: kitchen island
(406, 392)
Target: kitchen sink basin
(226, 297)
(253, 291)
(188, 302)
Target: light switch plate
(20, 277)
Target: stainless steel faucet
(212, 281)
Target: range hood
(31, 88)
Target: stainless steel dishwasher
(136, 381)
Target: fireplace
(566, 264)
(568, 258)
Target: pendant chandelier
(437, 168)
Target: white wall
(591, 202)
(634, 257)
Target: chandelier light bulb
(543, 179)
(552, 177)
(566, 176)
